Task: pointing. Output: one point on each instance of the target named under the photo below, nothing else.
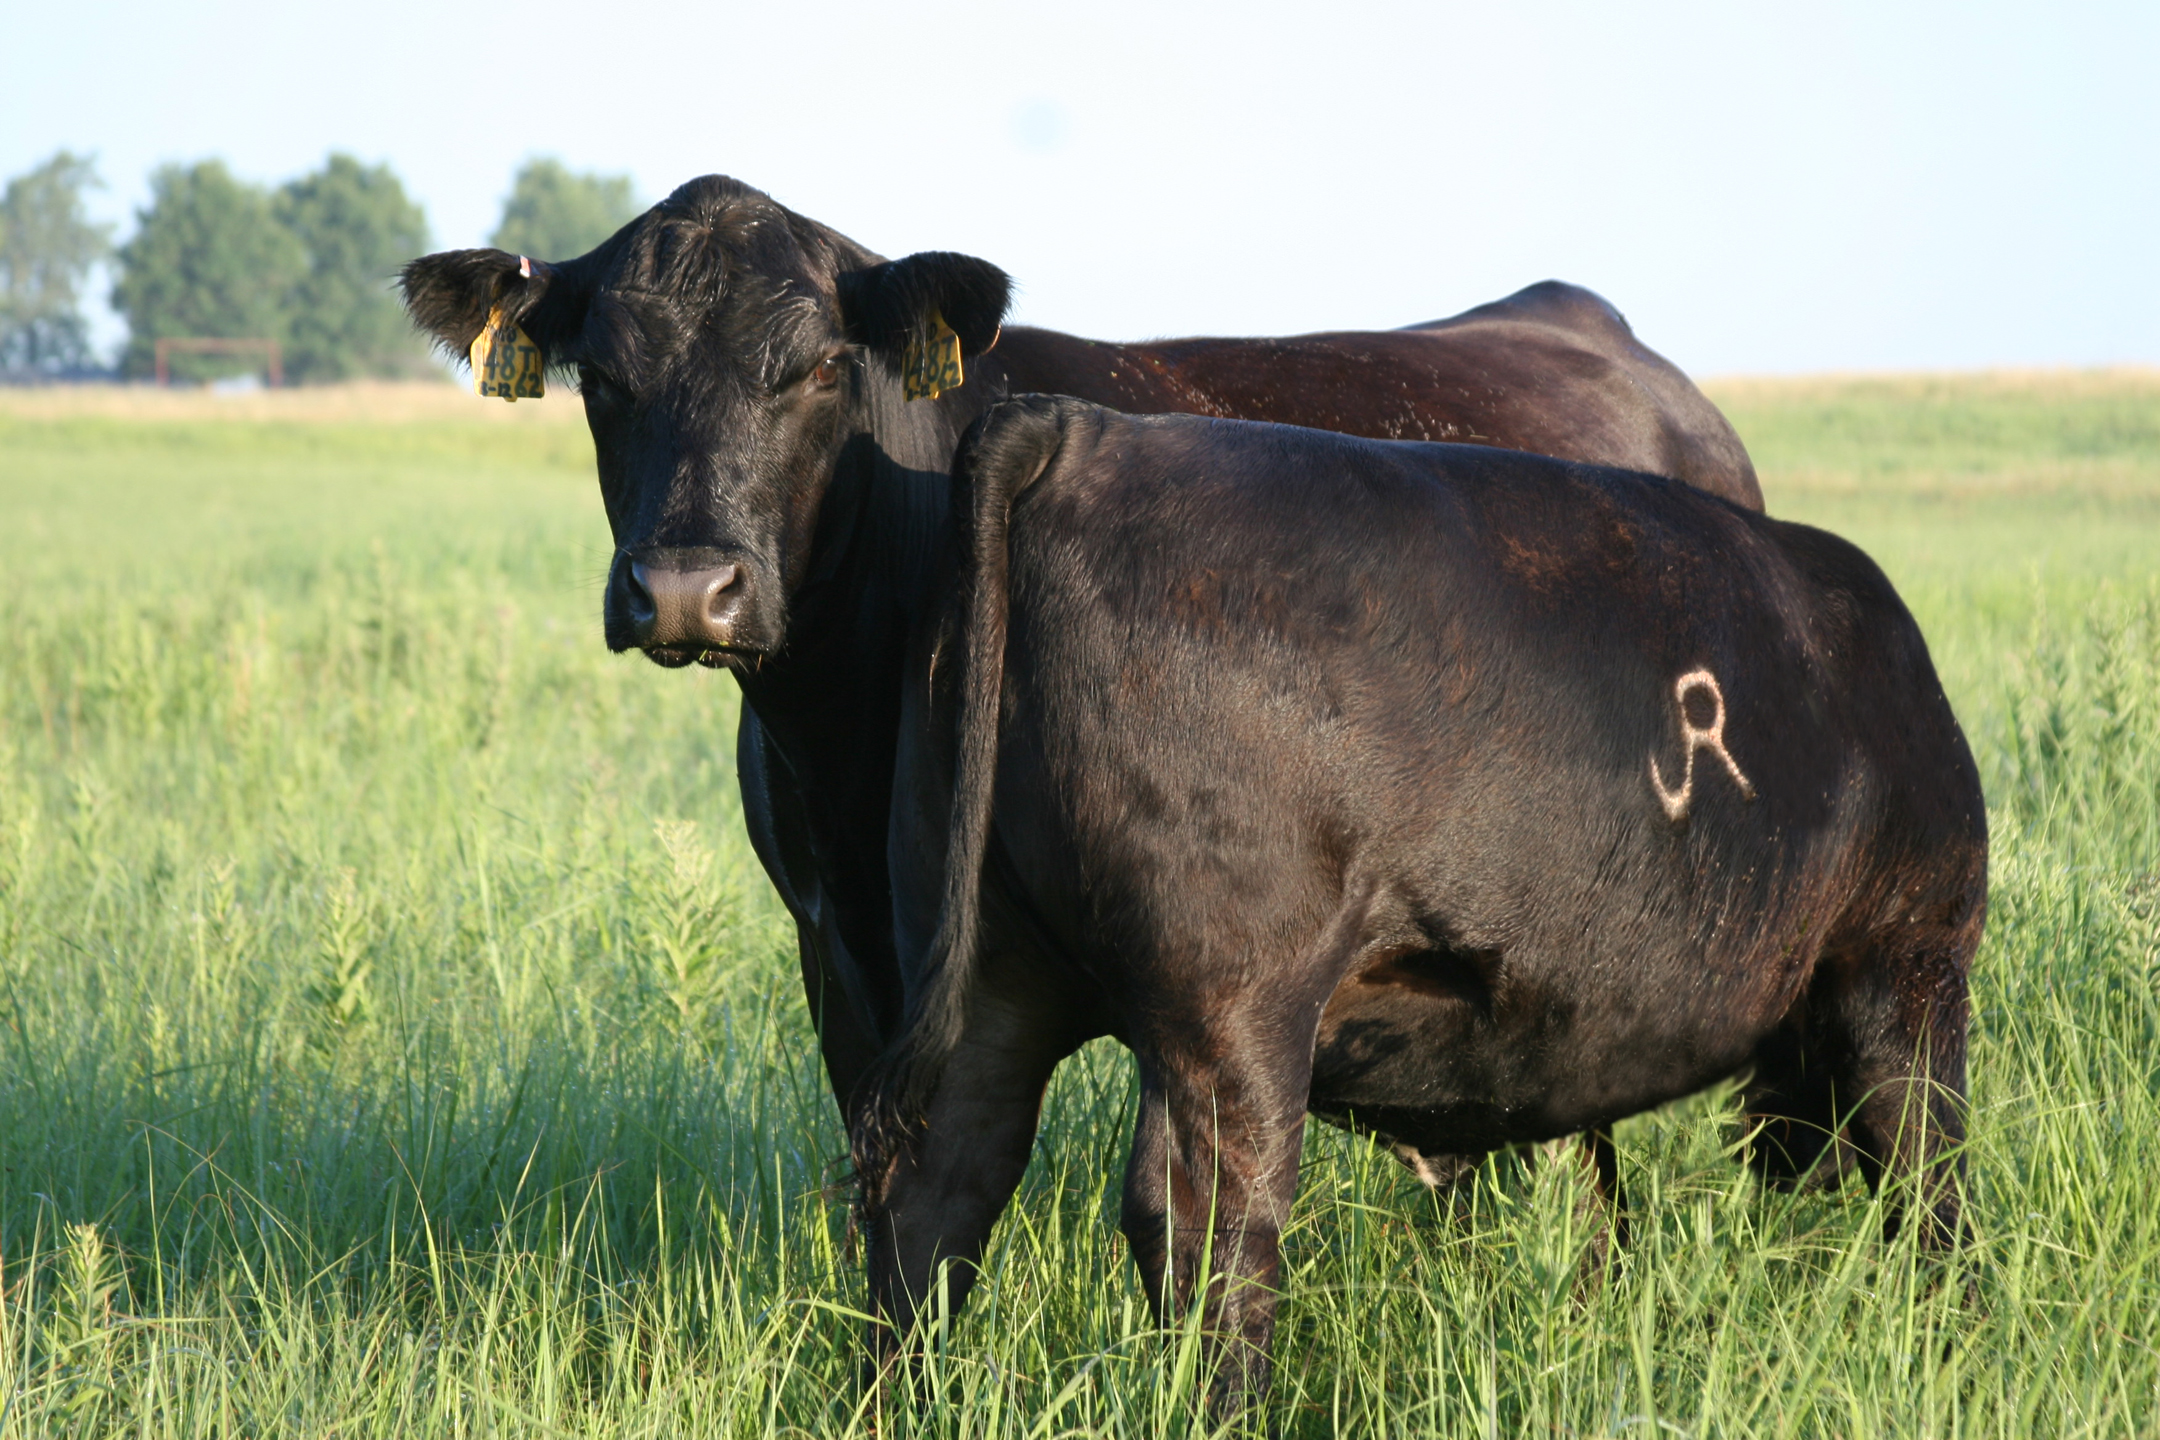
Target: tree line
(308, 264)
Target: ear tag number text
(505, 362)
(931, 363)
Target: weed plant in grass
(399, 1038)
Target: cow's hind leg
(1790, 1109)
(1886, 1030)
(1208, 1189)
(1900, 1018)
(1601, 1211)
(930, 1218)
(1603, 1158)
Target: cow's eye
(595, 385)
(827, 373)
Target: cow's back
(1694, 442)
(1552, 370)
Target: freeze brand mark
(1695, 737)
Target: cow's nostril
(638, 597)
(723, 595)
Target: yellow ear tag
(931, 363)
(505, 361)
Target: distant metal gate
(273, 357)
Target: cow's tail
(1001, 455)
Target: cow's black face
(727, 351)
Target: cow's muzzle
(677, 615)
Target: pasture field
(398, 1039)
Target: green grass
(399, 1039)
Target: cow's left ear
(888, 304)
(451, 294)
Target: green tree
(555, 214)
(357, 226)
(209, 257)
(47, 246)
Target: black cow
(1469, 797)
(776, 504)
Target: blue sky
(1761, 189)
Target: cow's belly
(1430, 1057)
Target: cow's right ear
(888, 304)
(451, 294)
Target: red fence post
(273, 353)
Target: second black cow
(1467, 797)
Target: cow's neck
(837, 685)
(830, 699)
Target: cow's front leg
(1208, 1190)
(931, 1216)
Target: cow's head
(728, 351)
